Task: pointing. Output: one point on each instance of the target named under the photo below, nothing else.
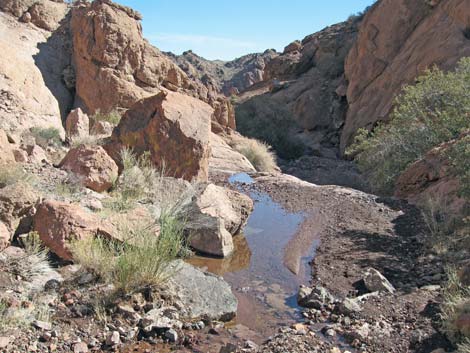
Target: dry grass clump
(137, 181)
(456, 304)
(140, 260)
(88, 140)
(11, 175)
(258, 153)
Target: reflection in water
(239, 260)
(264, 286)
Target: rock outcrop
(59, 223)
(303, 91)
(397, 41)
(115, 67)
(214, 215)
(92, 165)
(32, 89)
(229, 77)
(225, 159)
(174, 128)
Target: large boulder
(175, 128)
(398, 40)
(5, 236)
(58, 223)
(7, 156)
(225, 159)
(203, 295)
(92, 165)
(376, 282)
(115, 67)
(431, 177)
(77, 124)
(214, 215)
(17, 205)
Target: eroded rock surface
(175, 129)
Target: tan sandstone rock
(398, 40)
(175, 128)
(214, 216)
(92, 165)
(6, 151)
(58, 223)
(32, 91)
(77, 124)
(5, 236)
(225, 159)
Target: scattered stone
(80, 347)
(113, 338)
(349, 306)
(42, 325)
(171, 335)
(376, 282)
(314, 298)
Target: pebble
(171, 335)
(113, 338)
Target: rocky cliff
(397, 41)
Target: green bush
(113, 117)
(459, 156)
(434, 110)
(455, 304)
(45, 136)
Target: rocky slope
(229, 77)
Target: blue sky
(226, 29)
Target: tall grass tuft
(258, 153)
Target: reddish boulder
(93, 165)
(58, 223)
(77, 124)
(175, 128)
(431, 177)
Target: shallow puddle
(265, 287)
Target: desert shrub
(138, 180)
(459, 156)
(92, 140)
(46, 136)
(264, 119)
(11, 175)
(434, 110)
(258, 153)
(140, 260)
(455, 304)
(113, 116)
